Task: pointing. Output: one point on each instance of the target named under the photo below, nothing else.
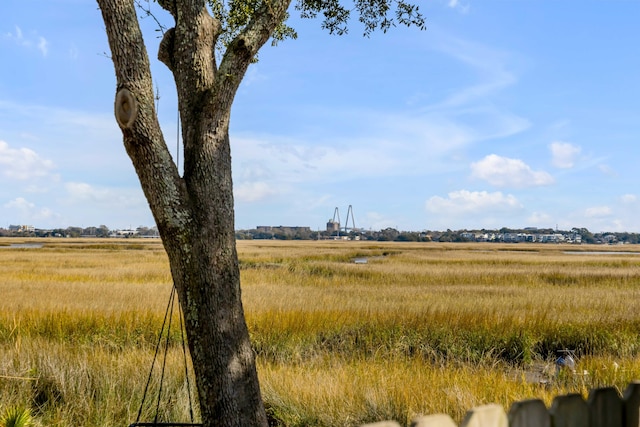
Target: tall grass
(418, 329)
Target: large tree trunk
(194, 213)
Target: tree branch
(136, 115)
(244, 47)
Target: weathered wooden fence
(603, 408)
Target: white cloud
(23, 164)
(276, 162)
(564, 154)
(28, 212)
(378, 221)
(455, 4)
(538, 219)
(83, 193)
(253, 191)
(19, 203)
(598, 212)
(607, 170)
(43, 46)
(17, 36)
(628, 198)
(397, 144)
(505, 172)
(465, 202)
(37, 42)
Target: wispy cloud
(478, 202)
(43, 46)
(456, 4)
(35, 41)
(378, 221)
(563, 154)
(81, 193)
(489, 64)
(598, 212)
(540, 219)
(253, 191)
(397, 143)
(19, 203)
(28, 212)
(505, 172)
(607, 170)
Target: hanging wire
(178, 140)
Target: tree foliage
(372, 14)
(234, 15)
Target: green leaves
(16, 417)
(235, 15)
(336, 15)
(372, 14)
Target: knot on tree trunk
(126, 108)
(169, 6)
(165, 50)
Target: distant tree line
(576, 235)
(388, 234)
(384, 235)
(96, 232)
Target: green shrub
(16, 416)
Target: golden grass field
(420, 328)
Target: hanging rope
(184, 356)
(167, 322)
(166, 350)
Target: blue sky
(516, 113)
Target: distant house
(123, 233)
(22, 228)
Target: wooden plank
(486, 416)
(569, 411)
(631, 400)
(605, 407)
(436, 420)
(529, 413)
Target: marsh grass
(418, 329)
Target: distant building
(22, 228)
(333, 226)
(468, 236)
(123, 233)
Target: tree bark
(194, 213)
